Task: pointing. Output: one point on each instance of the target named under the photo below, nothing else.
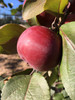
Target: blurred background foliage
(15, 15)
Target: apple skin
(70, 18)
(72, 7)
(40, 48)
(45, 19)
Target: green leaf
(1, 78)
(13, 11)
(53, 76)
(9, 34)
(35, 7)
(27, 87)
(65, 95)
(19, 8)
(1, 84)
(59, 86)
(67, 68)
(10, 5)
(69, 30)
(33, 21)
(26, 72)
(58, 96)
(10, 46)
(32, 8)
(21, 0)
(2, 50)
(27, 25)
(55, 6)
(9, 31)
(3, 3)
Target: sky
(16, 3)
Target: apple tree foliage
(56, 84)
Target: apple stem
(54, 25)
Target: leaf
(53, 76)
(65, 95)
(13, 11)
(27, 25)
(27, 87)
(26, 72)
(10, 46)
(33, 21)
(58, 96)
(2, 50)
(35, 7)
(18, 9)
(67, 68)
(1, 84)
(21, 0)
(69, 30)
(55, 6)
(32, 8)
(3, 3)
(1, 78)
(9, 34)
(59, 86)
(9, 31)
(10, 5)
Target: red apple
(45, 19)
(70, 18)
(72, 7)
(40, 48)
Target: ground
(10, 64)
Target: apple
(45, 19)
(72, 7)
(40, 47)
(70, 18)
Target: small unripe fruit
(40, 48)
